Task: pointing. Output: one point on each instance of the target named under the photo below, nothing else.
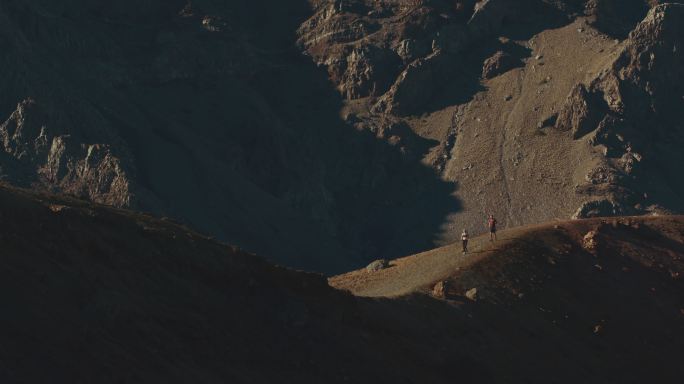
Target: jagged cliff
(632, 112)
(488, 80)
(207, 113)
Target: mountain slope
(95, 294)
(655, 242)
(607, 291)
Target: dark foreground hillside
(94, 294)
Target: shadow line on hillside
(233, 131)
(387, 203)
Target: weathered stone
(414, 86)
(471, 294)
(601, 175)
(499, 63)
(347, 42)
(581, 112)
(616, 17)
(597, 208)
(36, 156)
(440, 290)
(411, 49)
(369, 71)
(590, 241)
(377, 265)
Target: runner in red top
(491, 223)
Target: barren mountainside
(538, 110)
(325, 134)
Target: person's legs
(465, 246)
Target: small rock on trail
(589, 241)
(471, 294)
(499, 63)
(377, 265)
(440, 290)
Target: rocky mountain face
(324, 134)
(487, 79)
(207, 113)
(46, 159)
(632, 111)
(398, 52)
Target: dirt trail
(418, 273)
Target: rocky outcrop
(414, 86)
(368, 72)
(334, 37)
(416, 47)
(617, 17)
(590, 241)
(37, 156)
(581, 112)
(597, 208)
(640, 84)
(367, 46)
(636, 117)
(410, 50)
(441, 289)
(423, 78)
(472, 294)
(377, 265)
(499, 63)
